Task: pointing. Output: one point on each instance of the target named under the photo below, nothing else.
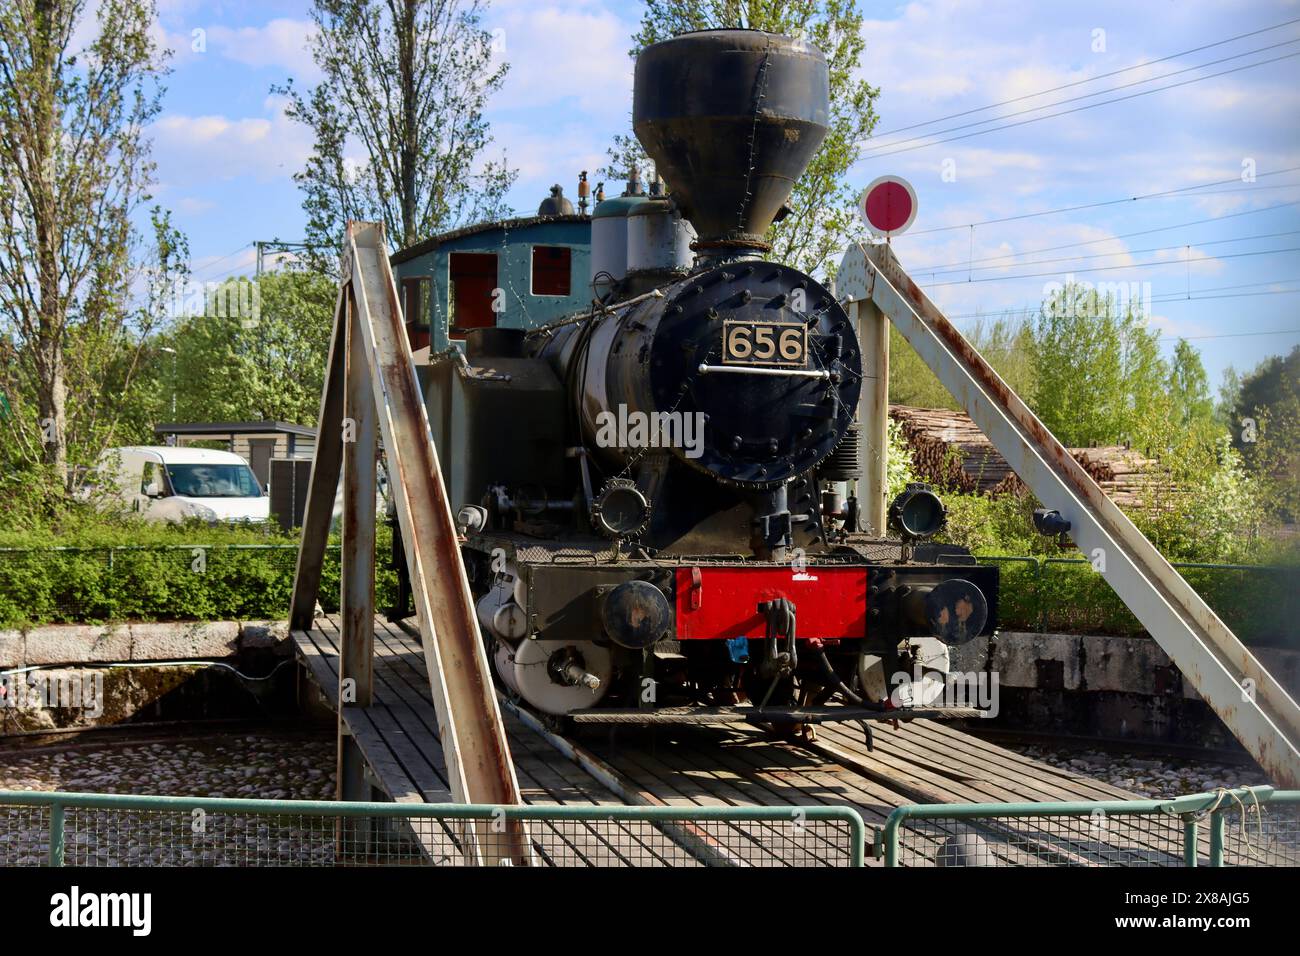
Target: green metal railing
(1259, 602)
(1251, 826)
(85, 829)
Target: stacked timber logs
(1127, 476)
(950, 451)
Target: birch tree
(74, 172)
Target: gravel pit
(267, 764)
(1146, 775)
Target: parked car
(163, 483)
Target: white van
(162, 483)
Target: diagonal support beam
(1250, 701)
(323, 483)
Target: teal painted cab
(515, 274)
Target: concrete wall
(63, 677)
(1091, 685)
(89, 643)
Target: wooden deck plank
(998, 775)
(401, 772)
(577, 786)
(400, 676)
(557, 780)
(398, 687)
(726, 788)
(390, 719)
(923, 761)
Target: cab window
(551, 270)
(473, 277)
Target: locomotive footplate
(766, 715)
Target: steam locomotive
(659, 512)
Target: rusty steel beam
(473, 737)
(873, 415)
(356, 572)
(1250, 701)
(357, 561)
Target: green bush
(1259, 604)
(1215, 523)
(161, 573)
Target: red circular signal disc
(888, 205)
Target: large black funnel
(731, 119)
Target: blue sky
(226, 154)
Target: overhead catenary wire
(967, 263)
(230, 255)
(1078, 109)
(1130, 265)
(967, 268)
(1197, 294)
(1006, 349)
(1091, 79)
(1104, 202)
(1084, 96)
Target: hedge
(165, 582)
(1260, 604)
(251, 578)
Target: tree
(1098, 375)
(408, 80)
(1266, 430)
(1189, 388)
(267, 369)
(1005, 342)
(823, 203)
(625, 155)
(74, 169)
(1229, 392)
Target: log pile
(1127, 476)
(950, 451)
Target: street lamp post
(173, 355)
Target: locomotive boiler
(659, 503)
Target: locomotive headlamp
(917, 514)
(620, 510)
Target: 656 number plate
(764, 343)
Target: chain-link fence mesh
(24, 835)
(1261, 833)
(1084, 840)
(142, 831)
(1246, 827)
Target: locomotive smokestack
(731, 118)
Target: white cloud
(281, 44)
(199, 148)
(191, 205)
(571, 57)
